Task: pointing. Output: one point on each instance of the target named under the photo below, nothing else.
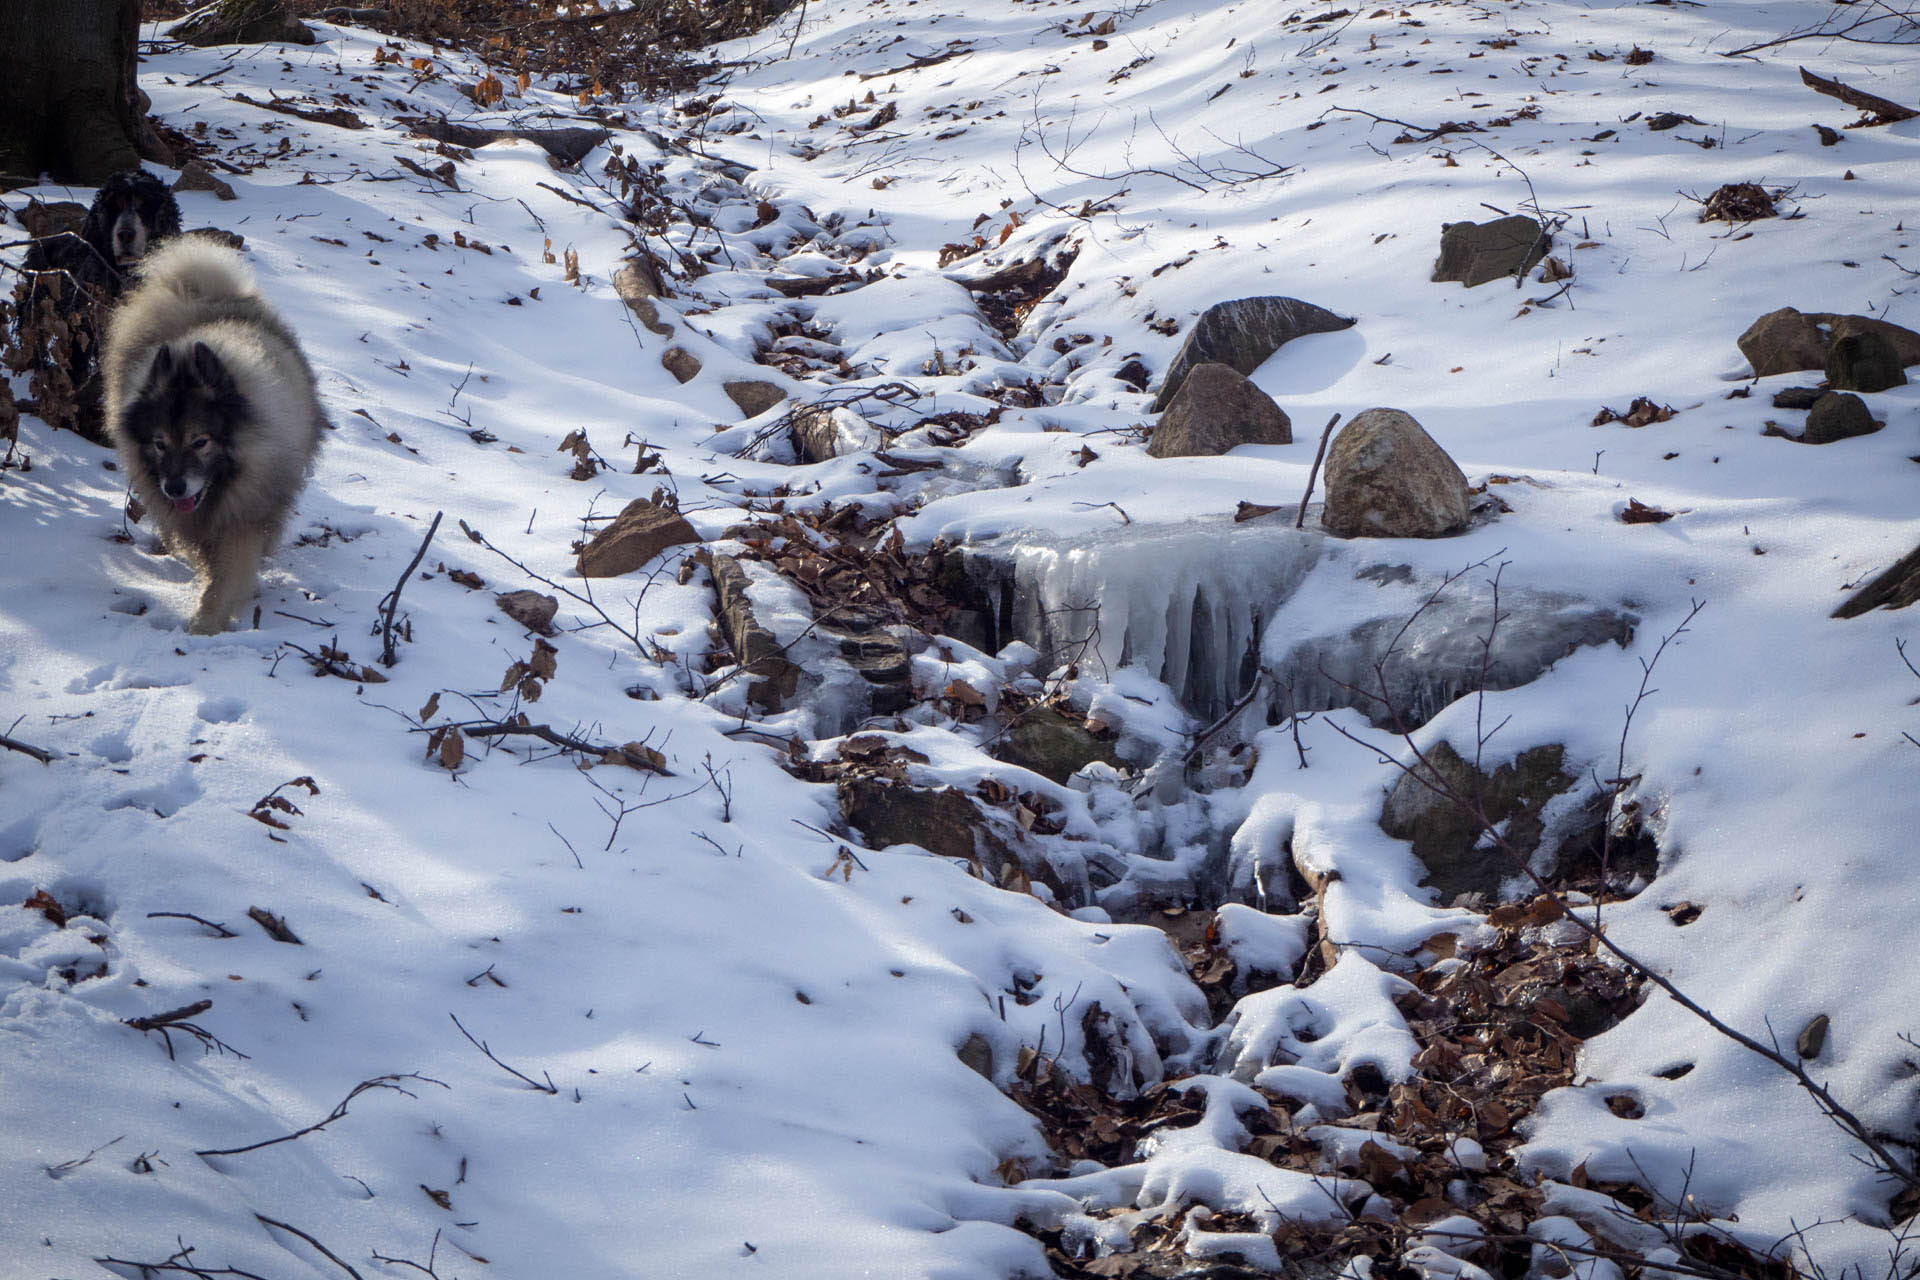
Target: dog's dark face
(132, 213)
(183, 421)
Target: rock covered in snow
(640, 532)
(1241, 335)
(1216, 410)
(1477, 253)
(821, 431)
(1386, 478)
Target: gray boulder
(1863, 361)
(1838, 415)
(1241, 335)
(1477, 253)
(1215, 410)
(1386, 478)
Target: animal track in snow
(221, 710)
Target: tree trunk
(68, 104)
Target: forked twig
(549, 1087)
(391, 601)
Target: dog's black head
(133, 212)
(184, 421)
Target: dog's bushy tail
(197, 268)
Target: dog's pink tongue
(185, 505)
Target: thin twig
(1313, 473)
(327, 1253)
(338, 1112)
(549, 1087)
(219, 930)
(392, 600)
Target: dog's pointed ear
(161, 369)
(208, 371)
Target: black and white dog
(75, 276)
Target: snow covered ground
(622, 1023)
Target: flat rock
(1217, 409)
(681, 363)
(773, 680)
(1802, 398)
(1477, 253)
(1838, 415)
(753, 396)
(1386, 478)
(639, 533)
(1241, 335)
(1052, 743)
(196, 176)
(886, 813)
(533, 610)
(1894, 588)
(1863, 361)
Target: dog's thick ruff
(214, 411)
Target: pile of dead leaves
(843, 561)
(1738, 202)
(1498, 1029)
(1639, 414)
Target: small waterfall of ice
(1184, 602)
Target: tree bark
(68, 104)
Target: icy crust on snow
(1186, 602)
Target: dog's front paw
(206, 624)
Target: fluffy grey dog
(213, 409)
